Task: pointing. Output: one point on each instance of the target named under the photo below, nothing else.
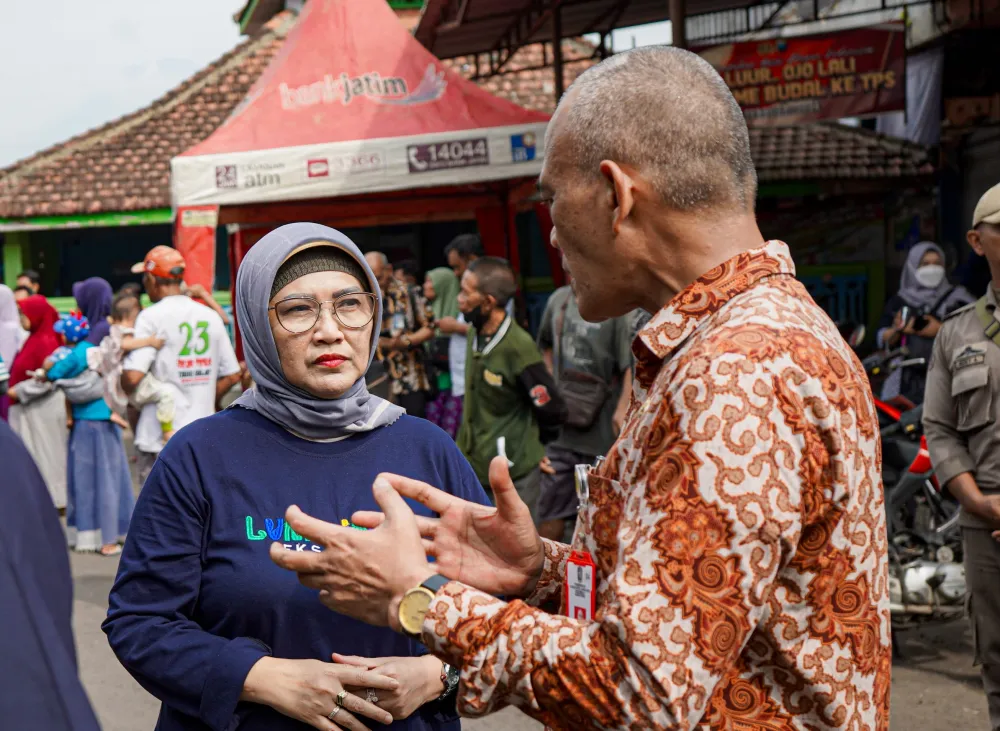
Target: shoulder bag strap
(557, 335)
(940, 301)
(991, 326)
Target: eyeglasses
(300, 314)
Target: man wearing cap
(197, 362)
(962, 423)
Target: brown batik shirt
(738, 530)
(406, 312)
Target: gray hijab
(946, 295)
(272, 395)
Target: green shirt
(497, 405)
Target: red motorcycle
(926, 576)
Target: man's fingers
(298, 561)
(371, 519)
(509, 503)
(314, 581)
(317, 531)
(367, 519)
(436, 500)
(395, 508)
(996, 535)
(429, 549)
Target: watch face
(413, 609)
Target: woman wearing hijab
(441, 290)
(93, 297)
(11, 337)
(913, 316)
(40, 421)
(199, 614)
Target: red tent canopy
(354, 124)
(354, 104)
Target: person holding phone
(913, 316)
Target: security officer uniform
(962, 424)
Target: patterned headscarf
(74, 327)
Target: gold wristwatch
(413, 608)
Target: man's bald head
(379, 264)
(667, 114)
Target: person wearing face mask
(913, 316)
(512, 406)
(199, 614)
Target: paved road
(934, 686)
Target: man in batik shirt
(737, 525)
(407, 323)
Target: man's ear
(620, 189)
(973, 238)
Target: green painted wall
(15, 253)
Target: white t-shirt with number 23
(196, 352)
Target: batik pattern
(738, 530)
(407, 371)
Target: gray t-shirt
(603, 349)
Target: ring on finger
(372, 697)
(333, 713)
(340, 698)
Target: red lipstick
(330, 360)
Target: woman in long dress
(10, 337)
(40, 422)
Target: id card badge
(581, 586)
(398, 322)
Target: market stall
(355, 124)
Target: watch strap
(435, 582)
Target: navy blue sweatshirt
(40, 688)
(197, 600)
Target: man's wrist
(416, 579)
(535, 573)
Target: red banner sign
(853, 73)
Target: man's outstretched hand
(497, 550)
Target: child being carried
(108, 358)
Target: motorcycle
(926, 575)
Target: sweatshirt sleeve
(149, 623)
(549, 407)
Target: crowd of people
(662, 512)
(72, 382)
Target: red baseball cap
(161, 261)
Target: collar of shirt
(673, 324)
(992, 297)
(491, 341)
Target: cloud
(67, 66)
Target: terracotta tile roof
(831, 151)
(125, 165)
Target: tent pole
(678, 13)
(557, 52)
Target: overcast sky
(67, 66)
